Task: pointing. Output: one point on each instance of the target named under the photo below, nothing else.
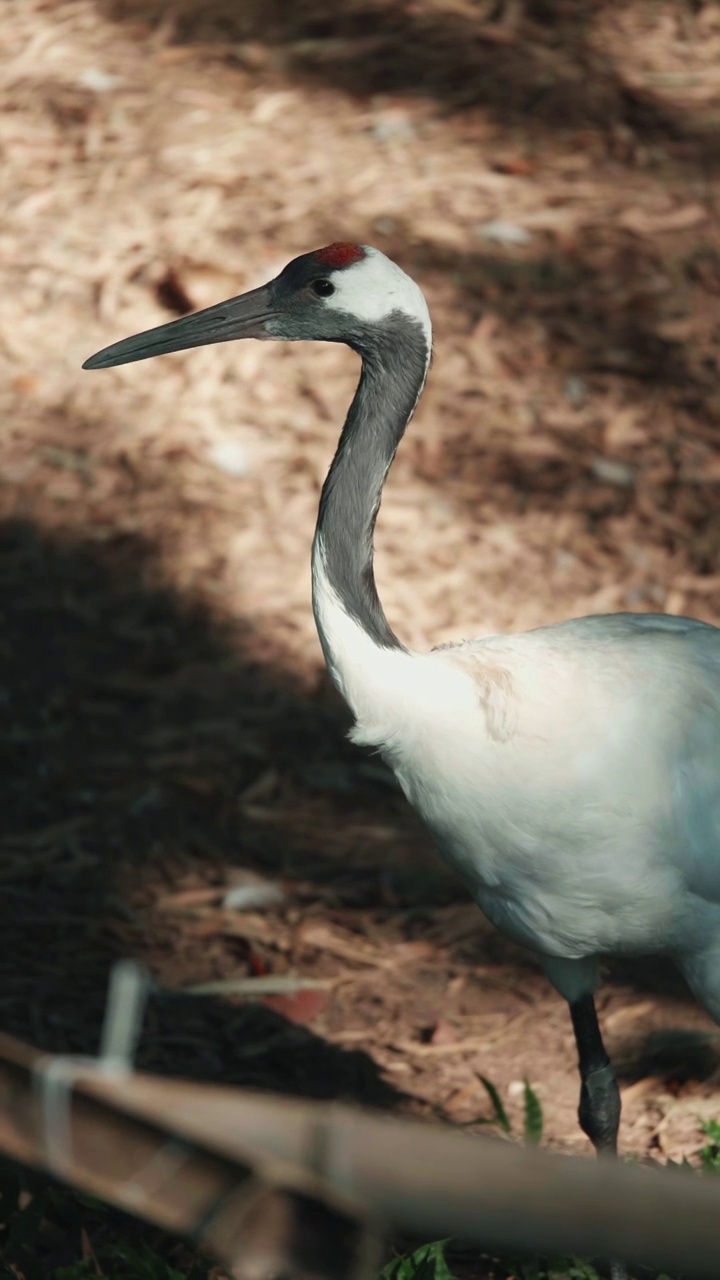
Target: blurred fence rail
(265, 1183)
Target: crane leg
(599, 1110)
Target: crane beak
(243, 317)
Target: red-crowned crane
(570, 774)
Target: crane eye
(323, 288)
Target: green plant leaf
(578, 1269)
(710, 1153)
(500, 1116)
(426, 1263)
(533, 1115)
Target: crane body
(570, 773)
(540, 762)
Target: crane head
(342, 293)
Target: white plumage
(569, 774)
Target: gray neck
(395, 363)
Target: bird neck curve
(348, 613)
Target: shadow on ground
(132, 726)
(542, 69)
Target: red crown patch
(338, 255)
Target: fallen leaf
(301, 1008)
(517, 165)
(645, 222)
(443, 1033)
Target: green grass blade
(533, 1115)
(501, 1116)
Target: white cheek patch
(374, 287)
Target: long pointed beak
(243, 317)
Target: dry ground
(549, 173)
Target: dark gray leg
(599, 1110)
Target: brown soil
(170, 722)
